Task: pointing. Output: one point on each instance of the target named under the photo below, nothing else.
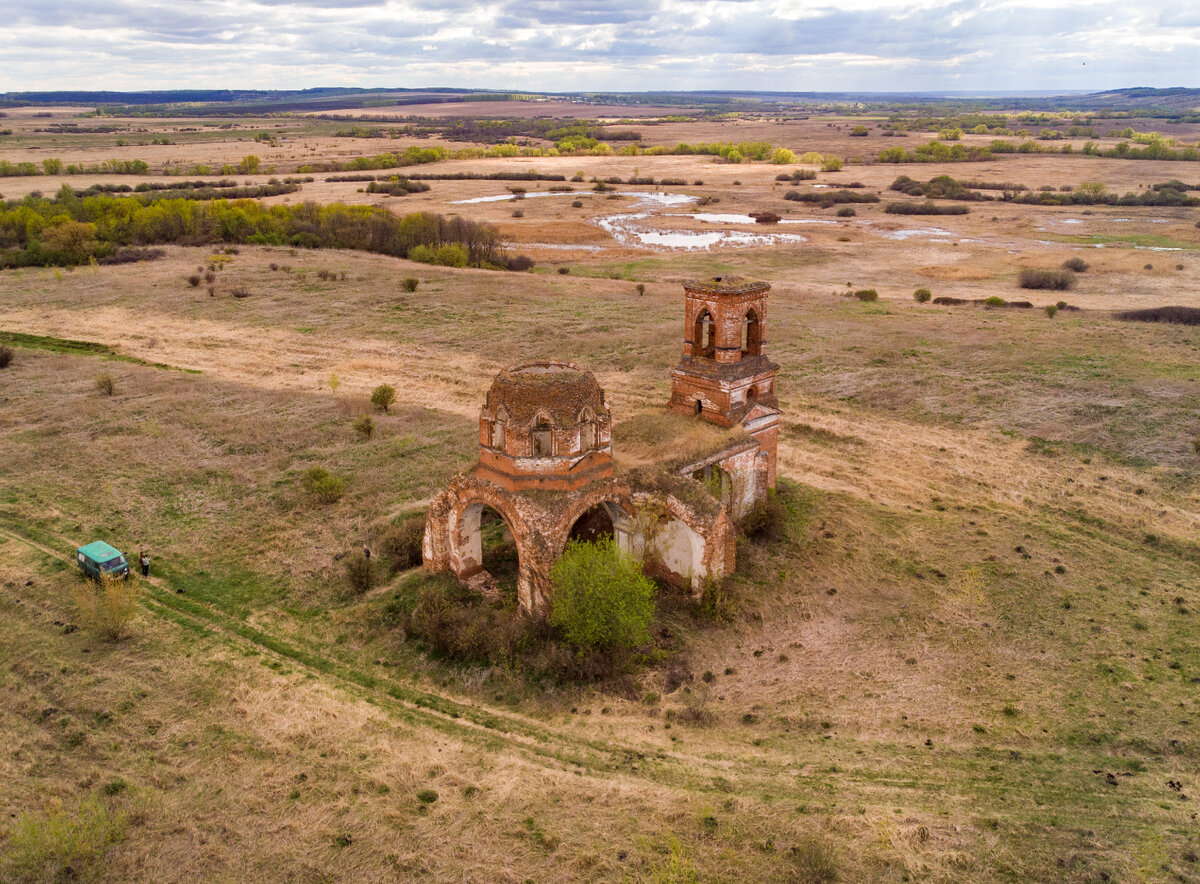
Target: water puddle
(720, 218)
(919, 233)
(628, 228)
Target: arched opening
(543, 437)
(499, 550)
(595, 524)
(484, 541)
(704, 336)
(751, 397)
(699, 407)
(751, 335)
(498, 428)
(716, 480)
(587, 431)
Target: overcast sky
(560, 45)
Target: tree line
(68, 230)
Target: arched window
(587, 430)
(704, 336)
(543, 437)
(498, 428)
(751, 396)
(751, 335)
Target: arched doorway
(484, 542)
(595, 524)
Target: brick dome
(557, 391)
(545, 425)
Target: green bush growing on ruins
(601, 597)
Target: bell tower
(724, 376)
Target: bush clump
(867, 295)
(105, 384)
(922, 296)
(401, 544)
(6, 357)
(1078, 265)
(364, 427)
(359, 573)
(926, 208)
(383, 396)
(411, 283)
(108, 604)
(1051, 310)
(993, 301)
(846, 212)
(322, 485)
(601, 597)
(766, 521)
(1057, 280)
(1177, 315)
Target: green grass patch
(80, 348)
(1145, 240)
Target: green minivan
(98, 557)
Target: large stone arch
(452, 536)
(616, 500)
(686, 544)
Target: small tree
(601, 597)
(334, 382)
(105, 384)
(108, 604)
(365, 427)
(383, 396)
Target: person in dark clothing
(367, 553)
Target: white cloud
(557, 45)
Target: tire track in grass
(582, 755)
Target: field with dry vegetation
(968, 653)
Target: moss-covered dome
(555, 391)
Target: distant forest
(1150, 102)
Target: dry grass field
(972, 658)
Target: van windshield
(113, 563)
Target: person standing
(144, 561)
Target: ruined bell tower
(724, 376)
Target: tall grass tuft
(108, 605)
(61, 843)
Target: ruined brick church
(546, 458)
